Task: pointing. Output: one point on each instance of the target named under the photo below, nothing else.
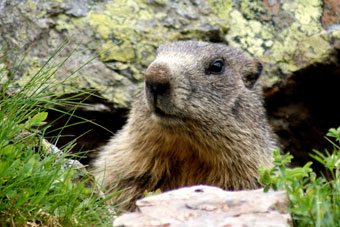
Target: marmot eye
(216, 67)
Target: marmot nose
(157, 88)
(157, 79)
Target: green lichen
(303, 42)
(307, 13)
(32, 5)
(117, 25)
(251, 35)
(34, 68)
(120, 97)
(127, 24)
(131, 31)
(222, 8)
(70, 24)
(252, 9)
(126, 33)
(111, 51)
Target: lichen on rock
(285, 35)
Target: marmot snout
(157, 86)
(199, 120)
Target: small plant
(314, 201)
(147, 193)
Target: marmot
(199, 120)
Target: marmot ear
(252, 74)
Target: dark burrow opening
(301, 112)
(104, 120)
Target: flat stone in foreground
(210, 206)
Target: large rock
(210, 206)
(285, 35)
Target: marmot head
(199, 81)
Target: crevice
(304, 108)
(105, 120)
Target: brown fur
(201, 128)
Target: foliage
(37, 188)
(157, 192)
(314, 200)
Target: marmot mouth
(160, 112)
(166, 117)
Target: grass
(314, 200)
(36, 187)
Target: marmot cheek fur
(199, 120)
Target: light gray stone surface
(210, 206)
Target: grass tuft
(39, 187)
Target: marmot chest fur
(199, 120)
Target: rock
(51, 149)
(210, 206)
(124, 34)
(286, 35)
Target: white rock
(210, 206)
